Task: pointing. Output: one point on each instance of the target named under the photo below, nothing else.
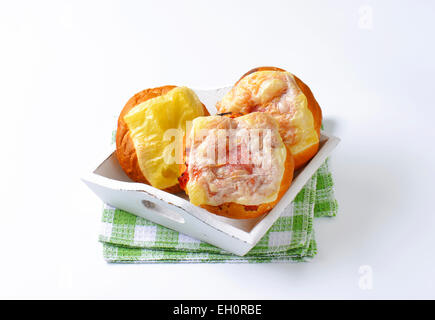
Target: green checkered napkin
(128, 238)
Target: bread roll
(285, 97)
(243, 177)
(153, 115)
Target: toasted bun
(125, 150)
(303, 157)
(239, 211)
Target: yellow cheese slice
(156, 128)
(263, 88)
(215, 183)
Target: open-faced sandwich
(141, 141)
(236, 167)
(287, 99)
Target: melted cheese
(149, 121)
(239, 160)
(277, 93)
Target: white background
(67, 69)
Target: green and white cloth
(131, 239)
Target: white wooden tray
(111, 184)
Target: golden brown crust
(240, 211)
(125, 151)
(302, 157)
